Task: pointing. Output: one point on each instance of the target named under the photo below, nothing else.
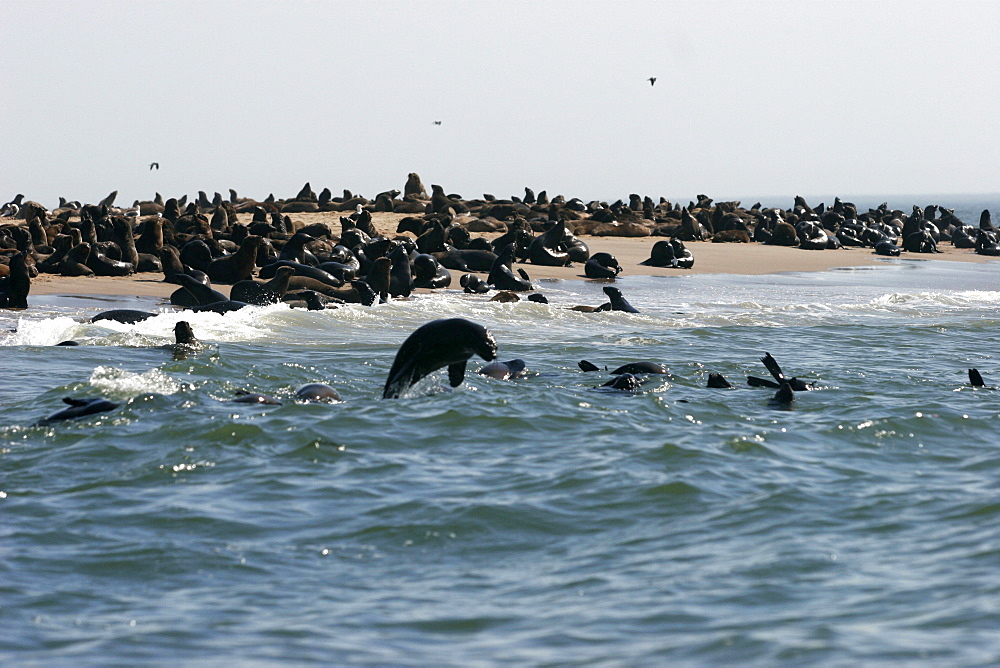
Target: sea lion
(602, 265)
(538, 298)
(79, 408)
(502, 276)
(260, 293)
(887, 248)
(184, 334)
(303, 270)
(317, 392)
(779, 377)
(435, 345)
(784, 397)
(466, 259)
(244, 397)
(400, 274)
(473, 284)
(504, 370)
(625, 382)
(718, 381)
(618, 302)
(429, 273)
(75, 262)
(194, 293)
(545, 249)
(14, 288)
(637, 368)
(237, 267)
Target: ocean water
(538, 521)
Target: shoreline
(709, 258)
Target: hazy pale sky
(751, 99)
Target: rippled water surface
(536, 521)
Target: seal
(262, 294)
(317, 392)
(502, 275)
(718, 381)
(545, 249)
(123, 315)
(602, 265)
(637, 368)
(435, 345)
(618, 302)
(625, 382)
(244, 397)
(194, 293)
(504, 370)
(779, 377)
(473, 285)
(429, 273)
(15, 287)
(79, 408)
(236, 267)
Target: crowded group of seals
(240, 242)
(265, 256)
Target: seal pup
(435, 345)
(79, 408)
(317, 392)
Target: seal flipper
(975, 378)
(772, 366)
(456, 373)
(587, 366)
(754, 381)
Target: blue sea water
(537, 521)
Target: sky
(752, 99)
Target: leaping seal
(435, 345)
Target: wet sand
(709, 258)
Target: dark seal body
(438, 344)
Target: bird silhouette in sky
(652, 81)
(154, 165)
(437, 122)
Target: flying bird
(154, 165)
(652, 81)
(437, 122)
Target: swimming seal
(80, 408)
(718, 381)
(123, 315)
(435, 345)
(626, 382)
(618, 302)
(779, 377)
(318, 392)
(504, 370)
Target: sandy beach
(710, 258)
